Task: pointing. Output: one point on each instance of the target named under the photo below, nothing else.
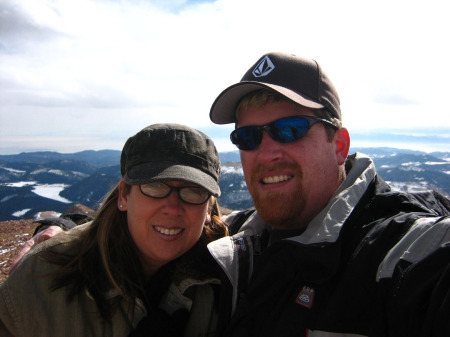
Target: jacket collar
(326, 225)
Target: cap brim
(145, 173)
(223, 110)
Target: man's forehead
(269, 112)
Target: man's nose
(269, 150)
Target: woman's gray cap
(171, 152)
(299, 79)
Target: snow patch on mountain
(51, 191)
(20, 213)
(13, 170)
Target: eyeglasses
(283, 130)
(189, 194)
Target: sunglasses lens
(287, 130)
(246, 138)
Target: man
(331, 250)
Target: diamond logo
(264, 67)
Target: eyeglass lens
(189, 194)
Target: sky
(86, 75)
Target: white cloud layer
(83, 74)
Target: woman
(142, 259)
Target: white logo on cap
(263, 68)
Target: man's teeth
(275, 179)
(168, 231)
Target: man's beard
(279, 209)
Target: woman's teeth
(275, 179)
(167, 231)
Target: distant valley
(31, 183)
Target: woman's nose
(172, 203)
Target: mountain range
(34, 182)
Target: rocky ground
(13, 235)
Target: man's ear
(342, 144)
(123, 196)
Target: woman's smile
(167, 231)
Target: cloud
(114, 66)
(19, 27)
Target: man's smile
(276, 179)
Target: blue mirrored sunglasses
(284, 130)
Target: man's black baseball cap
(299, 79)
